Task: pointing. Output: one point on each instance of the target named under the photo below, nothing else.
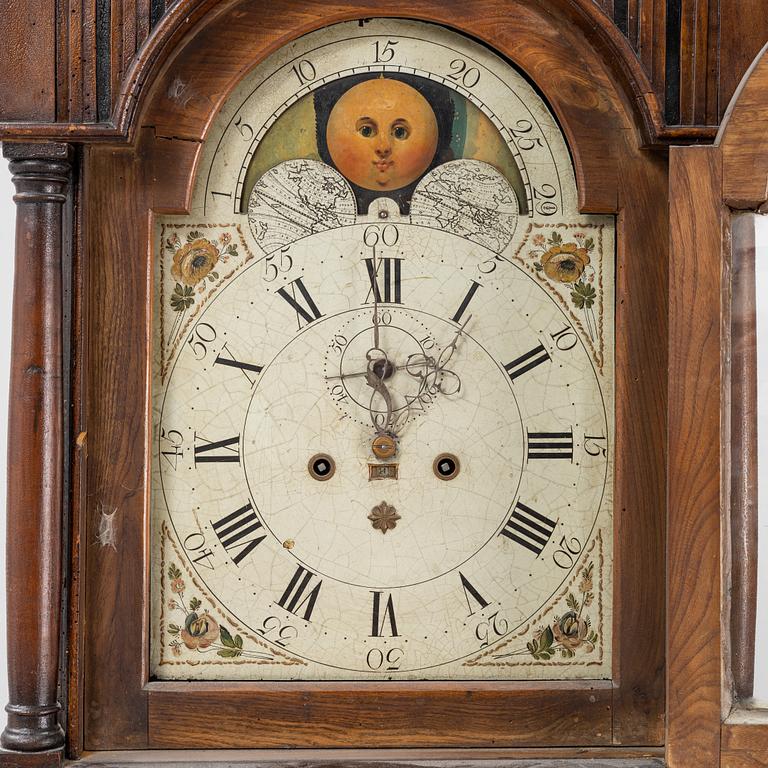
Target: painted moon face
(382, 134)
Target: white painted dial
(464, 319)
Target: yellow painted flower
(565, 263)
(193, 261)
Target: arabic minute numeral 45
(174, 439)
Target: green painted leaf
(194, 604)
(228, 653)
(226, 638)
(238, 641)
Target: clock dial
(383, 378)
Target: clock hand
(389, 423)
(433, 374)
(364, 373)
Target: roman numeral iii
(528, 528)
(550, 445)
(241, 531)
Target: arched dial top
(383, 378)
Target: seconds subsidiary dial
(383, 378)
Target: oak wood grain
(367, 716)
(523, 758)
(116, 227)
(603, 129)
(28, 34)
(35, 449)
(694, 487)
(744, 744)
(743, 144)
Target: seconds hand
(375, 301)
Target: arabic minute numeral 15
(385, 51)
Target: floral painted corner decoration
(569, 633)
(198, 631)
(195, 261)
(568, 259)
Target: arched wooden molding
(743, 140)
(602, 98)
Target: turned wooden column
(41, 174)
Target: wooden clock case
(80, 412)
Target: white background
(6, 286)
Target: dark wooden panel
(390, 758)
(699, 62)
(640, 444)
(269, 715)
(28, 57)
(745, 745)
(743, 32)
(115, 714)
(744, 141)
(694, 497)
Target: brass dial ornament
(383, 385)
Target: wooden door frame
(711, 555)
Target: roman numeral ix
(220, 451)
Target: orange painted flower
(193, 261)
(199, 631)
(565, 263)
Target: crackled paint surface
(279, 550)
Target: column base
(32, 728)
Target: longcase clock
(369, 373)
